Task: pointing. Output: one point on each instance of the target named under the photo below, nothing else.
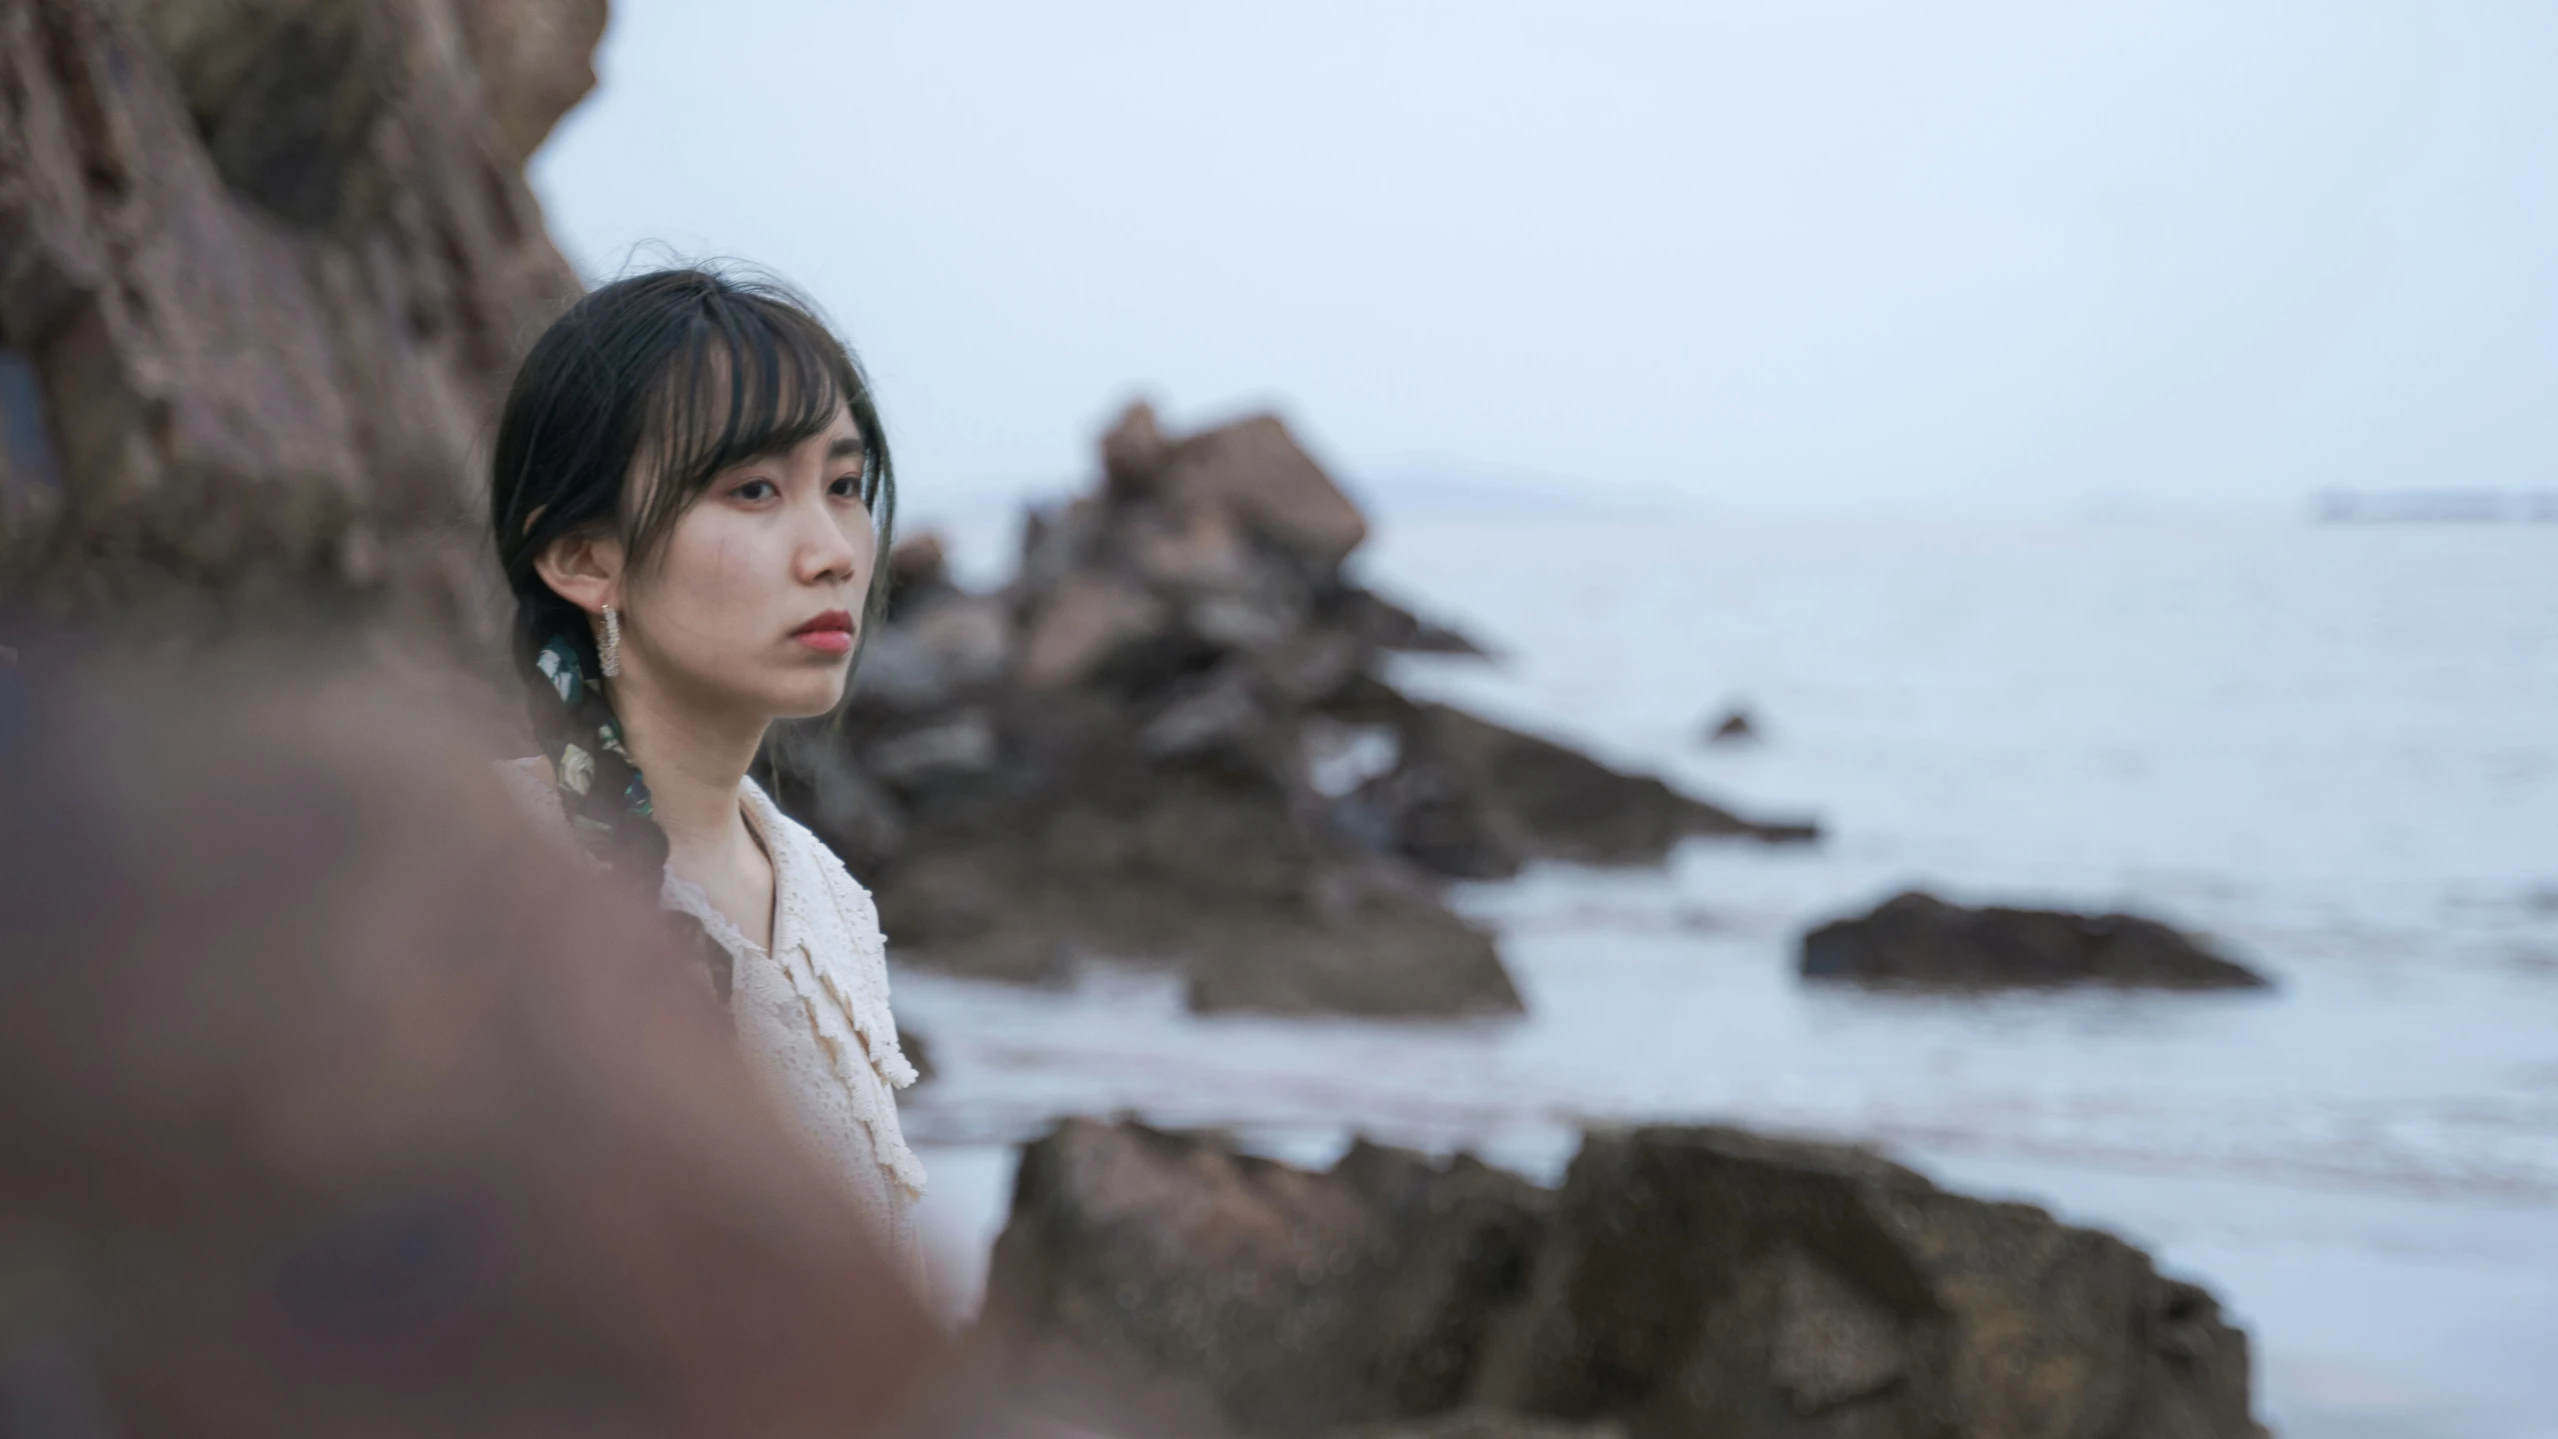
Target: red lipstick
(831, 632)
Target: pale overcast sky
(1829, 253)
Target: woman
(689, 497)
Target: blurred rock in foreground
(336, 1101)
(265, 269)
(1681, 1282)
(1918, 940)
(1167, 741)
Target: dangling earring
(610, 652)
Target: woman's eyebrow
(842, 447)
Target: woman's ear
(583, 568)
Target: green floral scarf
(601, 789)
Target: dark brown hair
(692, 371)
(620, 417)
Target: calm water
(2333, 749)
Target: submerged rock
(1919, 940)
(1683, 1281)
(1735, 727)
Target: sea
(2330, 748)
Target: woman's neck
(693, 760)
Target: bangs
(748, 378)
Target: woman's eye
(756, 490)
(847, 488)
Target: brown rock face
(1919, 940)
(1246, 1296)
(265, 267)
(1088, 621)
(1255, 469)
(1705, 1281)
(1683, 1282)
(1473, 799)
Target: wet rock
(1250, 1297)
(1683, 1281)
(1735, 727)
(962, 744)
(813, 774)
(1309, 668)
(898, 673)
(1371, 943)
(1194, 548)
(1133, 452)
(1389, 626)
(918, 569)
(1340, 758)
(969, 635)
(1202, 870)
(1474, 800)
(1086, 622)
(918, 1053)
(1258, 614)
(1708, 1281)
(942, 902)
(1221, 713)
(1917, 939)
(938, 651)
(1254, 469)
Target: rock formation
(1709, 1281)
(1473, 800)
(265, 267)
(1734, 727)
(1238, 1293)
(1919, 940)
(1681, 1282)
(1166, 740)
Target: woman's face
(755, 602)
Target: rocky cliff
(265, 268)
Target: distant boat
(2389, 507)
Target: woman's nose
(825, 550)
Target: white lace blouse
(812, 1012)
